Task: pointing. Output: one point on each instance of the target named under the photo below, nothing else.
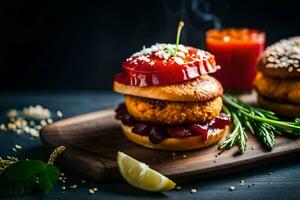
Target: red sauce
(157, 133)
(237, 51)
(150, 69)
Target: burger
(278, 79)
(171, 101)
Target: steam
(201, 11)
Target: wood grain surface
(93, 140)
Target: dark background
(80, 44)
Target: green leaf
(20, 177)
(48, 177)
(25, 176)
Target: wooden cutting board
(92, 141)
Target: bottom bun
(283, 109)
(176, 144)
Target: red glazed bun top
(164, 64)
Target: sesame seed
(63, 187)
(59, 113)
(242, 182)
(91, 191)
(285, 53)
(83, 181)
(43, 122)
(73, 186)
(178, 188)
(231, 188)
(193, 190)
(17, 146)
(95, 189)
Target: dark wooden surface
(93, 140)
(272, 181)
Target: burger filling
(279, 90)
(172, 112)
(157, 132)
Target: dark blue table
(282, 183)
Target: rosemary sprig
(262, 123)
(237, 137)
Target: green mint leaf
(25, 176)
(48, 177)
(20, 177)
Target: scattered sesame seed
(83, 181)
(95, 189)
(184, 156)
(178, 188)
(2, 127)
(14, 149)
(285, 53)
(231, 188)
(73, 186)
(91, 191)
(193, 190)
(17, 146)
(242, 182)
(43, 122)
(62, 174)
(59, 113)
(63, 187)
(49, 121)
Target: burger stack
(278, 79)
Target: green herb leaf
(48, 177)
(25, 176)
(20, 177)
(262, 123)
(237, 137)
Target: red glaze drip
(150, 69)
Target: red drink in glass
(237, 51)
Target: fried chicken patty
(278, 89)
(170, 112)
